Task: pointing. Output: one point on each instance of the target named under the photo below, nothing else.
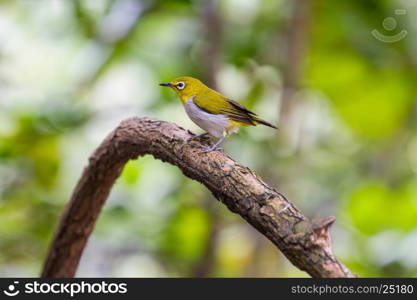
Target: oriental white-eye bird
(211, 111)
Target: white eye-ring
(180, 85)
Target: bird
(216, 114)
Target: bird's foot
(210, 149)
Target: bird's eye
(180, 85)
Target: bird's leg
(215, 146)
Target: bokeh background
(345, 102)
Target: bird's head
(185, 87)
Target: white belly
(215, 125)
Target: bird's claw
(210, 149)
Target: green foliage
(185, 238)
(375, 208)
(357, 88)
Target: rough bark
(306, 243)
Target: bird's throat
(184, 98)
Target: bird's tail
(263, 122)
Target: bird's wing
(221, 105)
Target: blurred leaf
(131, 172)
(374, 208)
(186, 237)
(373, 102)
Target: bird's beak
(166, 84)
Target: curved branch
(306, 243)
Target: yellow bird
(211, 111)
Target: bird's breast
(215, 124)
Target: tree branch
(305, 243)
